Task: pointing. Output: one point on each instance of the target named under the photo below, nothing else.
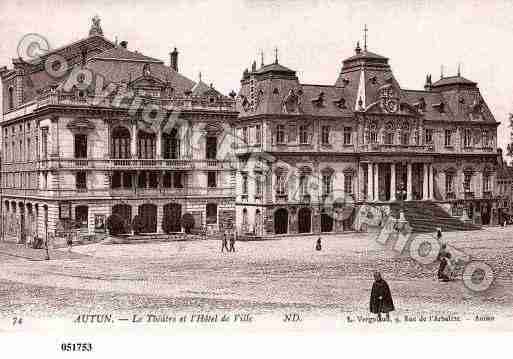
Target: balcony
(487, 194)
(469, 195)
(281, 197)
(378, 147)
(133, 164)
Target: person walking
(69, 242)
(318, 245)
(232, 243)
(443, 257)
(381, 297)
(439, 233)
(224, 243)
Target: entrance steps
(426, 216)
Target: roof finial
(276, 55)
(358, 49)
(441, 71)
(96, 29)
(262, 58)
(459, 69)
(200, 76)
(365, 29)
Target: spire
(360, 94)
(262, 58)
(441, 71)
(275, 55)
(459, 69)
(199, 76)
(96, 28)
(365, 29)
(358, 48)
(428, 85)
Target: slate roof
(202, 89)
(122, 54)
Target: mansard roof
(121, 54)
(364, 81)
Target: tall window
(244, 184)
(327, 184)
(11, 98)
(211, 148)
(347, 135)
(325, 135)
(245, 136)
(178, 179)
(258, 134)
(211, 213)
(486, 182)
(429, 135)
(303, 185)
(348, 184)
(447, 138)
(211, 179)
(171, 145)
(80, 146)
(467, 178)
(373, 134)
(81, 180)
(29, 150)
(120, 143)
(258, 185)
(146, 145)
(486, 138)
(467, 138)
(280, 134)
(303, 134)
(405, 137)
(280, 184)
(449, 183)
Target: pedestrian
(444, 257)
(318, 245)
(69, 243)
(232, 242)
(439, 233)
(224, 243)
(381, 297)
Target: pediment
(81, 124)
(402, 108)
(147, 82)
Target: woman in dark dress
(381, 298)
(318, 245)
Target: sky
(221, 38)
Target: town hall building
(334, 158)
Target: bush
(187, 222)
(116, 224)
(137, 224)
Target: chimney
(428, 86)
(124, 44)
(173, 57)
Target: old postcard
(255, 167)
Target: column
(431, 182)
(359, 184)
(376, 182)
(425, 191)
(392, 182)
(369, 181)
(409, 181)
(133, 142)
(160, 216)
(158, 144)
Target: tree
(116, 224)
(137, 224)
(187, 222)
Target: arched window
(327, 182)
(373, 133)
(145, 145)
(281, 188)
(389, 134)
(120, 143)
(171, 144)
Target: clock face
(391, 105)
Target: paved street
(269, 276)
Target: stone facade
(154, 143)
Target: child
(381, 297)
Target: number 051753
(77, 347)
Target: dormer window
(373, 80)
(340, 103)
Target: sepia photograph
(254, 167)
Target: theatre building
(95, 128)
(329, 158)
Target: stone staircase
(426, 216)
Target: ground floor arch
(281, 221)
(171, 221)
(124, 211)
(148, 214)
(304, 219)
(326, 221)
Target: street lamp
(402, 195)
